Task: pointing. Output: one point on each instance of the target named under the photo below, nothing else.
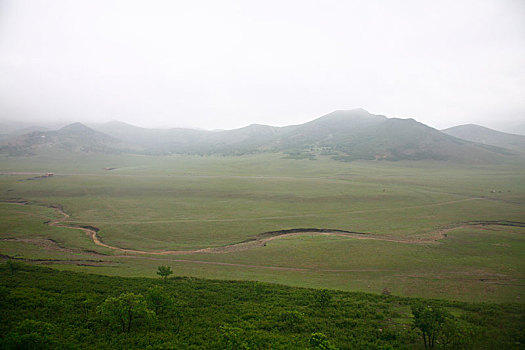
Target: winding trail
(259, 241)
(100, 259)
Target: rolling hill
(486, 136)
(407, 139)
(75, 137)
(344, 135)
(155, 141)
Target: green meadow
(420, 215)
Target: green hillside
(407, 139)
(344, 135)
(48, 309)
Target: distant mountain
(182, 140)
(329, 131)
(343, 135)
(14, 127)
(249, 139)
(155, 141)
(515, 127)
(486, 136)
(75, 137)
(28, 130)
(9, 129)
(357, 135)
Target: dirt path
(259, 241)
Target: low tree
(323, 297)
(124, 310)
(457, 334)
(31, 334)
(430, 321)
(291, 320)
(231, 338)
(319, 341)
(13, 266)
(158, 299)
(164, 271)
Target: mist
(207, 64)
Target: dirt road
(260, 240)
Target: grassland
(190, 202)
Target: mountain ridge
(75, 137)
(344, 135)
(487, 136)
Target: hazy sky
(226, 64)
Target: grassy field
(190, 202)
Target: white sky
(227, 64)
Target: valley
(421, 226)
(257, 175)
(334, 232)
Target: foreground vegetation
(42, 308)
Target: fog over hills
(483, 135)
(74, 137)
(344, 135)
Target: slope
(357, 134)
(483, 135)
(344, 135)
(406, 139)
(73, 138)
